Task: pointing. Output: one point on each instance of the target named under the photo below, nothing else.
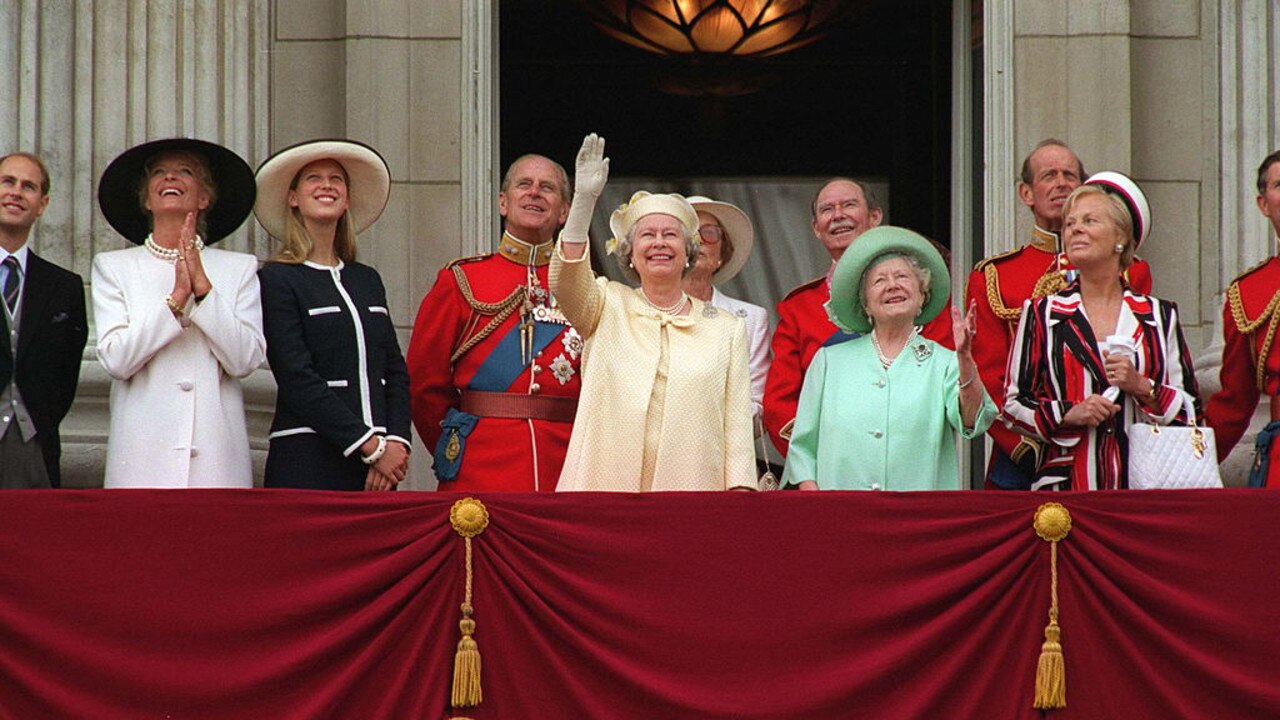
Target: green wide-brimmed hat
(846, 308)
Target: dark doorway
(872, 99)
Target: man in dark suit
(43, 337)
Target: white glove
(591, 172)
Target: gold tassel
(1051, 680)
(1052, 523)
(466, 663)
(469, 518)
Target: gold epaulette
(1247, 325)
(467, 259)
(1243, 323)
(983, 263)
(803, 286)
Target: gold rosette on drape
(469, 518)
(1052, 523)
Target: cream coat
(177, 413)
(704, 442)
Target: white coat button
(185, 385)
(195, 451)
(878, 434)
(875, 486)
(6, 418)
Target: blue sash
(503, 365)
(840, 336)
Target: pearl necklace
(885, 360)
(670, 309)
(169, 254)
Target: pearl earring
(1119, 248)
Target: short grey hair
(923, 276)
(622, 253)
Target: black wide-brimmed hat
(118, 189)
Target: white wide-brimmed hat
(1132, 196)
(369, 182)
(736, 225)
(644, 203)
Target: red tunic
(501, 454)
(1250, 368)
(803, 328)
(999, 285)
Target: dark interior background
(871, 99)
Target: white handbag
(1169, 457)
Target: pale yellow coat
(698, 427)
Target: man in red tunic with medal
(842, 210)
(493, 364)
(1001, 283)
(1250, 365)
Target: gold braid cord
(469, 518)
(995, 300)
(500, 311)
(1052, 523)
(1269, 315)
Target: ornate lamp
(716, 29)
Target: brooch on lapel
(922, 351)
(709, 311)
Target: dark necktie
(12, 282)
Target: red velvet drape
(290, 604)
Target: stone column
(88, 79)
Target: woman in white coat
(726, 238)
(178, 324)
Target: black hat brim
(118, 188)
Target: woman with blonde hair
(1094, 358)
(342, 404)
(178, 323)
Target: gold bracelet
(173, 306)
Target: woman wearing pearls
(178, 323)
(666, 397)
(880, 412)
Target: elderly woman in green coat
(880, 412)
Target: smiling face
(319, 191)
(21, 199)
(175, 185)
(1055, 172)
(840, 215)
(658, 247)
(891, 292)
(533, 200)
(1090, 233)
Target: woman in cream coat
(178, 324)
(666, 398)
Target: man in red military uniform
(1250, 364)
(842, 210)
(1001, 283)
(493, 364)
